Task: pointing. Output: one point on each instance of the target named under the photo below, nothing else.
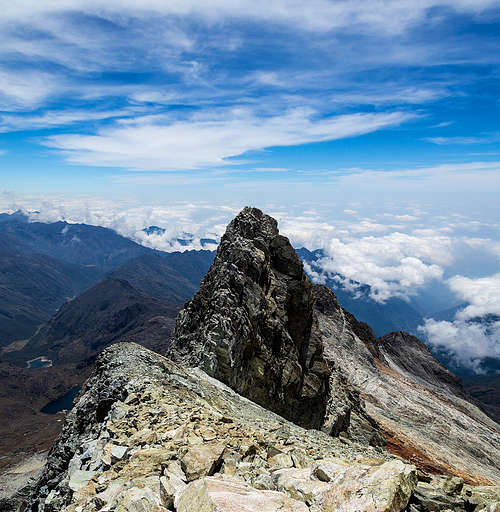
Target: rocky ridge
(252, 325)
(146, 435)
(197, 433)
(258, 325)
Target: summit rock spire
(250, 325)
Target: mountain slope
(158, 437)
(148, 435)
(421, 411)
(43, 265)
(172, 276)
(411, 358)
(110, 311)
(32, 287)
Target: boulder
(229, 494)
(383, 488)
(202, 460)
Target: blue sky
(367, 128)
(98, 94)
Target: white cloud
(391, 16)
(208, 139)
(50, 119)
(396, 264)
(482, 295)
(391, 94)
(474, 333)
(479, 139)
(467, 343)
(27, 89)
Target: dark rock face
(250, 324)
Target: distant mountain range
(69, 290)
(45, 265)
(110, 311)
(90, 246)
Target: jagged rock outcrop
(259, 326)
(146, 435)
(252, 325)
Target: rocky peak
(250, 323)
(150, 434)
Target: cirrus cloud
(210, 139)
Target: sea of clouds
(398, 254)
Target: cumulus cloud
(468, 344)
(474, 334)
(209, 139)
(482, 295)
(394, 265)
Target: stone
(170, 487)
(172, 483)
(202, 460)
(327, 470)
(299, 484)
(228, 494)
(281, 460)
(384, 488)
(453, 485)
(139, 499)
(80, 478)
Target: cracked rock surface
(146, 435)
(274, 398)
(253, 326)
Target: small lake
(39, 362)
(63, 403)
